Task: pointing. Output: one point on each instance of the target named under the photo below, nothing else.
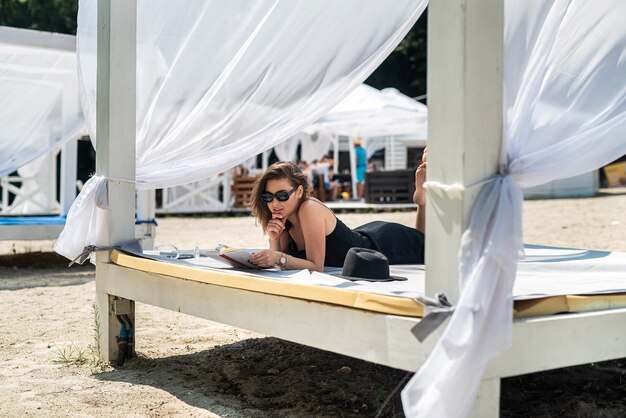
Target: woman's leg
(419, 197)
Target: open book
(238, 257)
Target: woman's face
(288, 207)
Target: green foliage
(75, 355)
(71, 354)
(405, 68)
(47, 15)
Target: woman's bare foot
(419, 197)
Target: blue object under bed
(48, 220)
(32, 220)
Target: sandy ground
(192, 367)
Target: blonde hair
(277, 171)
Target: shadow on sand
(271, 377)
(37, 269)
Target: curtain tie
(439, 309)
(503, 170)
(129, 246)
(80, 259)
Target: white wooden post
(265, 158)
(353, 166)
(146, 211)
(70, 149)
(69, 152)
(115, 150)
(465, 39)
(227, 196)
(336, 152)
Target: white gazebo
(381, 118)
(40, 116)
(473, 210)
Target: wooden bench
(397, 186)
(242, 191)
(319, 192)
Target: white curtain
(288, 150)
(372, 145)
(219, 82)
(316, 145)
(564, 114)
(36, 192)
(38, 99)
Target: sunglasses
(281, 196)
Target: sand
(193, 367)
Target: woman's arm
(313, 224)
(271, 258)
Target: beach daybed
(363, 321)
(485, 141)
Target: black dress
(401, 244)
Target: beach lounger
(372, 321)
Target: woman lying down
(305, 234)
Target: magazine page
(238, 257)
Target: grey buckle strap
(438, 310)
(133, 245)
(80, 259)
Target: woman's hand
(275, 228)
(266, 258)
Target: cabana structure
(470, 191)
(381, 119)
(40, 116)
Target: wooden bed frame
(465, 130)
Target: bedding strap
(133, 245)
(439, 309)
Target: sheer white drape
(218, 82)
(36, 191)
(316, 145)
(287, 150)
(564, 114)
(36, 86)
(372, 145)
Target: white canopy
(368, 112)
(219, 82)
(39, 106)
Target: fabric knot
(80, 259)
(503, 170)
(439, 309)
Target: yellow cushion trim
(393, 305)
(568, 303)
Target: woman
(306, 234)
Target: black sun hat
(368, 265)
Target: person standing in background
(361, 167)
